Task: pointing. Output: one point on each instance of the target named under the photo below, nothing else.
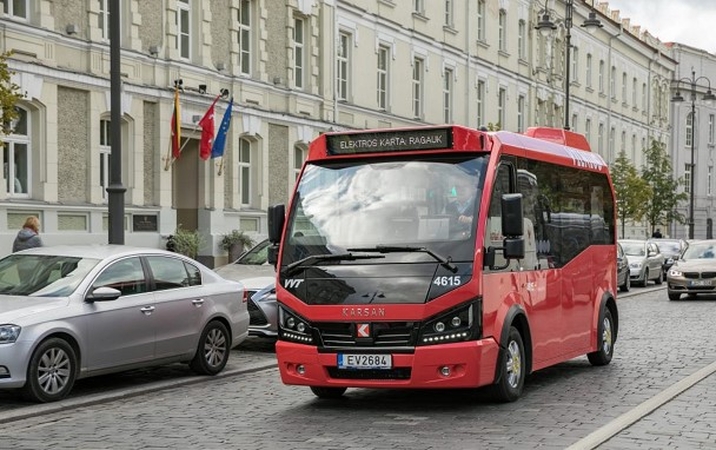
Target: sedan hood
(241, 272)
(15, 307)
(696, 265)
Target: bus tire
(605, 340)
(513, 365)
(328, 392)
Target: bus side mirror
(276, 219)
(512, 215)
(514, 248)
(272, 255)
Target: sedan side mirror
(103, 293)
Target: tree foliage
(632, 191)
(9, 95)
(659, 174)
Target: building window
(15, 8)
(298, 52)
(105, 153)
(245, 182)
(102, 18)
(299, 156)
(709, 180)
(419, 6)
(480, 103)
(501, 104)
(16, 156)
(712, 128)
(502, 31)
(687, 178)
(447, 95)
(575, 121)
(643, 96)
(612, 139)
(449, 13)
(521, 114)
(689, 129)
(613, 83)
(623, 143)
(575, 64)
(184, 29)
(588, 129)
(600, 140)
(522, 39)
(343, 62)
(418, 65)
(624, 87)
(244, 37)
(601, 76)
(633, 92)
(633, 147)
(589, 70)
(383, 76)
(481, 20)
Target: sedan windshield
(634, 248)
(700, 251)
(43, 275)
(387, 203)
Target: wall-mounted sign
(144, 222)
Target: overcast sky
(690, 22)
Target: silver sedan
(70, 312)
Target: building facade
(294, 69)
(697, 133)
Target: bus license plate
(364, 361)
(701, 283)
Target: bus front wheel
(328, 392)
(512, 362)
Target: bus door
(521, 281)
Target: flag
(217, 149)
(207, 131)
(176, 126)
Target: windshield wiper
(313, 259)
(445, 262)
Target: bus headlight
(292, 327)
(458, 324)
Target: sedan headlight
(9, 333)
(675, 272)
(635, 265)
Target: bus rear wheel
(605, 341)
(512, 361)
(328, 392)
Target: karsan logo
(292, 283)
(363, 330)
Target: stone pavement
(661, 344)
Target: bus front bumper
(456, 365)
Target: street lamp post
(708, 97)
(546, 26)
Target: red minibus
(444, 257)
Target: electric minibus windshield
(428, 204)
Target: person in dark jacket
(657, 234)
(29, 236)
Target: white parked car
(70, 312)
(645, 261)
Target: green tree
(9, 95)
(632, 191)
(666, 196)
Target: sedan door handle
(198, 302)
(147, 310)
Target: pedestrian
(657, 234)
(28, 236)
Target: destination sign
(389, 141)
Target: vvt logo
(292, 283)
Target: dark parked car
(623, 278)
(671, 249)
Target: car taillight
(245, 298)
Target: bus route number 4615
(364, 361)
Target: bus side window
(493, 229)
